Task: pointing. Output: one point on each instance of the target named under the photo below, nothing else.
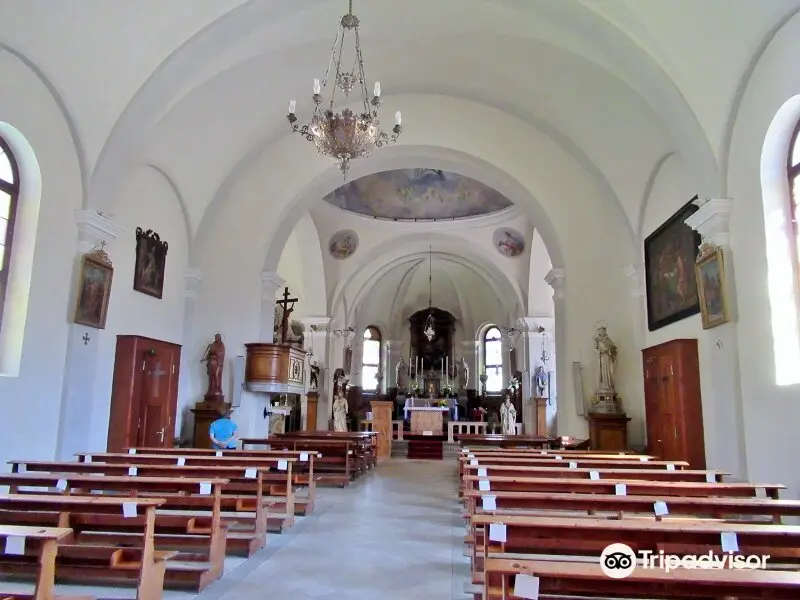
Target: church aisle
(396, 534)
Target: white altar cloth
(453, 407)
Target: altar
(427, 420)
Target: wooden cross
(86, 339)
(286, 312)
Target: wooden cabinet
(144, 394)
(608, 432)
(673, 405)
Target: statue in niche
(339, 412)
(214, 357)
(313, 377)
(606, 351)
(508, 417)
(465, 371)
(540, 382)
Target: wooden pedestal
(312, 400)
(205, 413)
(382, 425)
(540, 416)
(608, 431)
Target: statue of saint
(607, 356)
(508, 417)
(214, 357)
(540, 381)
(313, 377)
(339, 413)
(399, 373)
(465, 367)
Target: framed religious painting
(670, 253)
(94, 289)
(711, 287)
(151, 260)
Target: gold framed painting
(711, 287)
(94, 289)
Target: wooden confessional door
(155, 407)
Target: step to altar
(425, 447)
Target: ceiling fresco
(417, 194)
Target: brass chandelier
(345, 135)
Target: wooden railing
(397, 428)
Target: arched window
(493, 359)
(371, 359)
(9, 192)
(794, 188)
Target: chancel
(526, 264)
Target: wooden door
(669, 411)
(156, 410)
(652, 390)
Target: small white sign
(497, 532)
(761, 492)
(22, 468)
(594, 475)
(526, 586)
(483, 472)
(670, 467)
(473, 462)
(543, 452)
(711, 478)
(205, 488)
(218, 454)
(489, 502)
(87, 458)
(660, 508)
(132, 471)
(470, 456)
(621, 489)
(181, 461)
(729, 541)
(129, 510)
(304, 457)
(483, 485)
(283, 465)
(427, 433)
(131, 450)
(643, 459)
(61, 485)
(465, 450)
(250, 474)
(573, 464)
(559, 457)
(15, 545)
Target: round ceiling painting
(509, 242)
(417, 194)
(343, 244)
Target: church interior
(485, 237)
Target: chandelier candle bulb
(398, 118)
(377, 88)
(292, 106)
(316, 86)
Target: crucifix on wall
(287, 310)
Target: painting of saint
(343, 244)
(711, 286)
(151, 258)
(671, 282)
(508, 242)
(94, 290)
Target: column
(393, 352)
(189, 384)
(74, 432)
(723, 411)
(271, 282)
(316, 342)
(563, 417)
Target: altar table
(427, 419)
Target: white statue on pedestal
(339, 413)
(607, 356)
(508, 417)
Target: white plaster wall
(146, 201)
(771, 412)
(540, 294)
(31, 399)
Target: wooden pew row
(189, 522)
(37, 545)
(277, 475)
(559, 578)
(97, 564)
(506, 441)
(365, 450)
(336, 461)
(528, 452)
(244, 503)
(302, 469)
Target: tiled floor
(394, 534)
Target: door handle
(161, 434)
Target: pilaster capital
(192, 278)
(530, 324)
(94, 227)
(713, 221)
(556, 279)
(636, 279)
(270, 283)
(315, 324)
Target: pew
(505, 441)
(366, 443)
(337, 461)
(277, 474)
(39, 544)
(559, 578)
(198, 537)
(302, 469)
(98, 563)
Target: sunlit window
(794, 186)
(493, 359)
(371, 361)
(9, 191)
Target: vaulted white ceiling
(199, 88)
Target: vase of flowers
(416, 390)
(447, 390)
(513, 385)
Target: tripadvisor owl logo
(618, 561)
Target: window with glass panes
(794, 189)
(493, 359)
(9, 191)
(371, 361)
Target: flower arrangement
(441, 403)
(478, 414)
(513, 384)
(447, 389)
(416, 389)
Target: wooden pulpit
(608, 431)
(382, 425)
(312, 400)
(274, 368)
